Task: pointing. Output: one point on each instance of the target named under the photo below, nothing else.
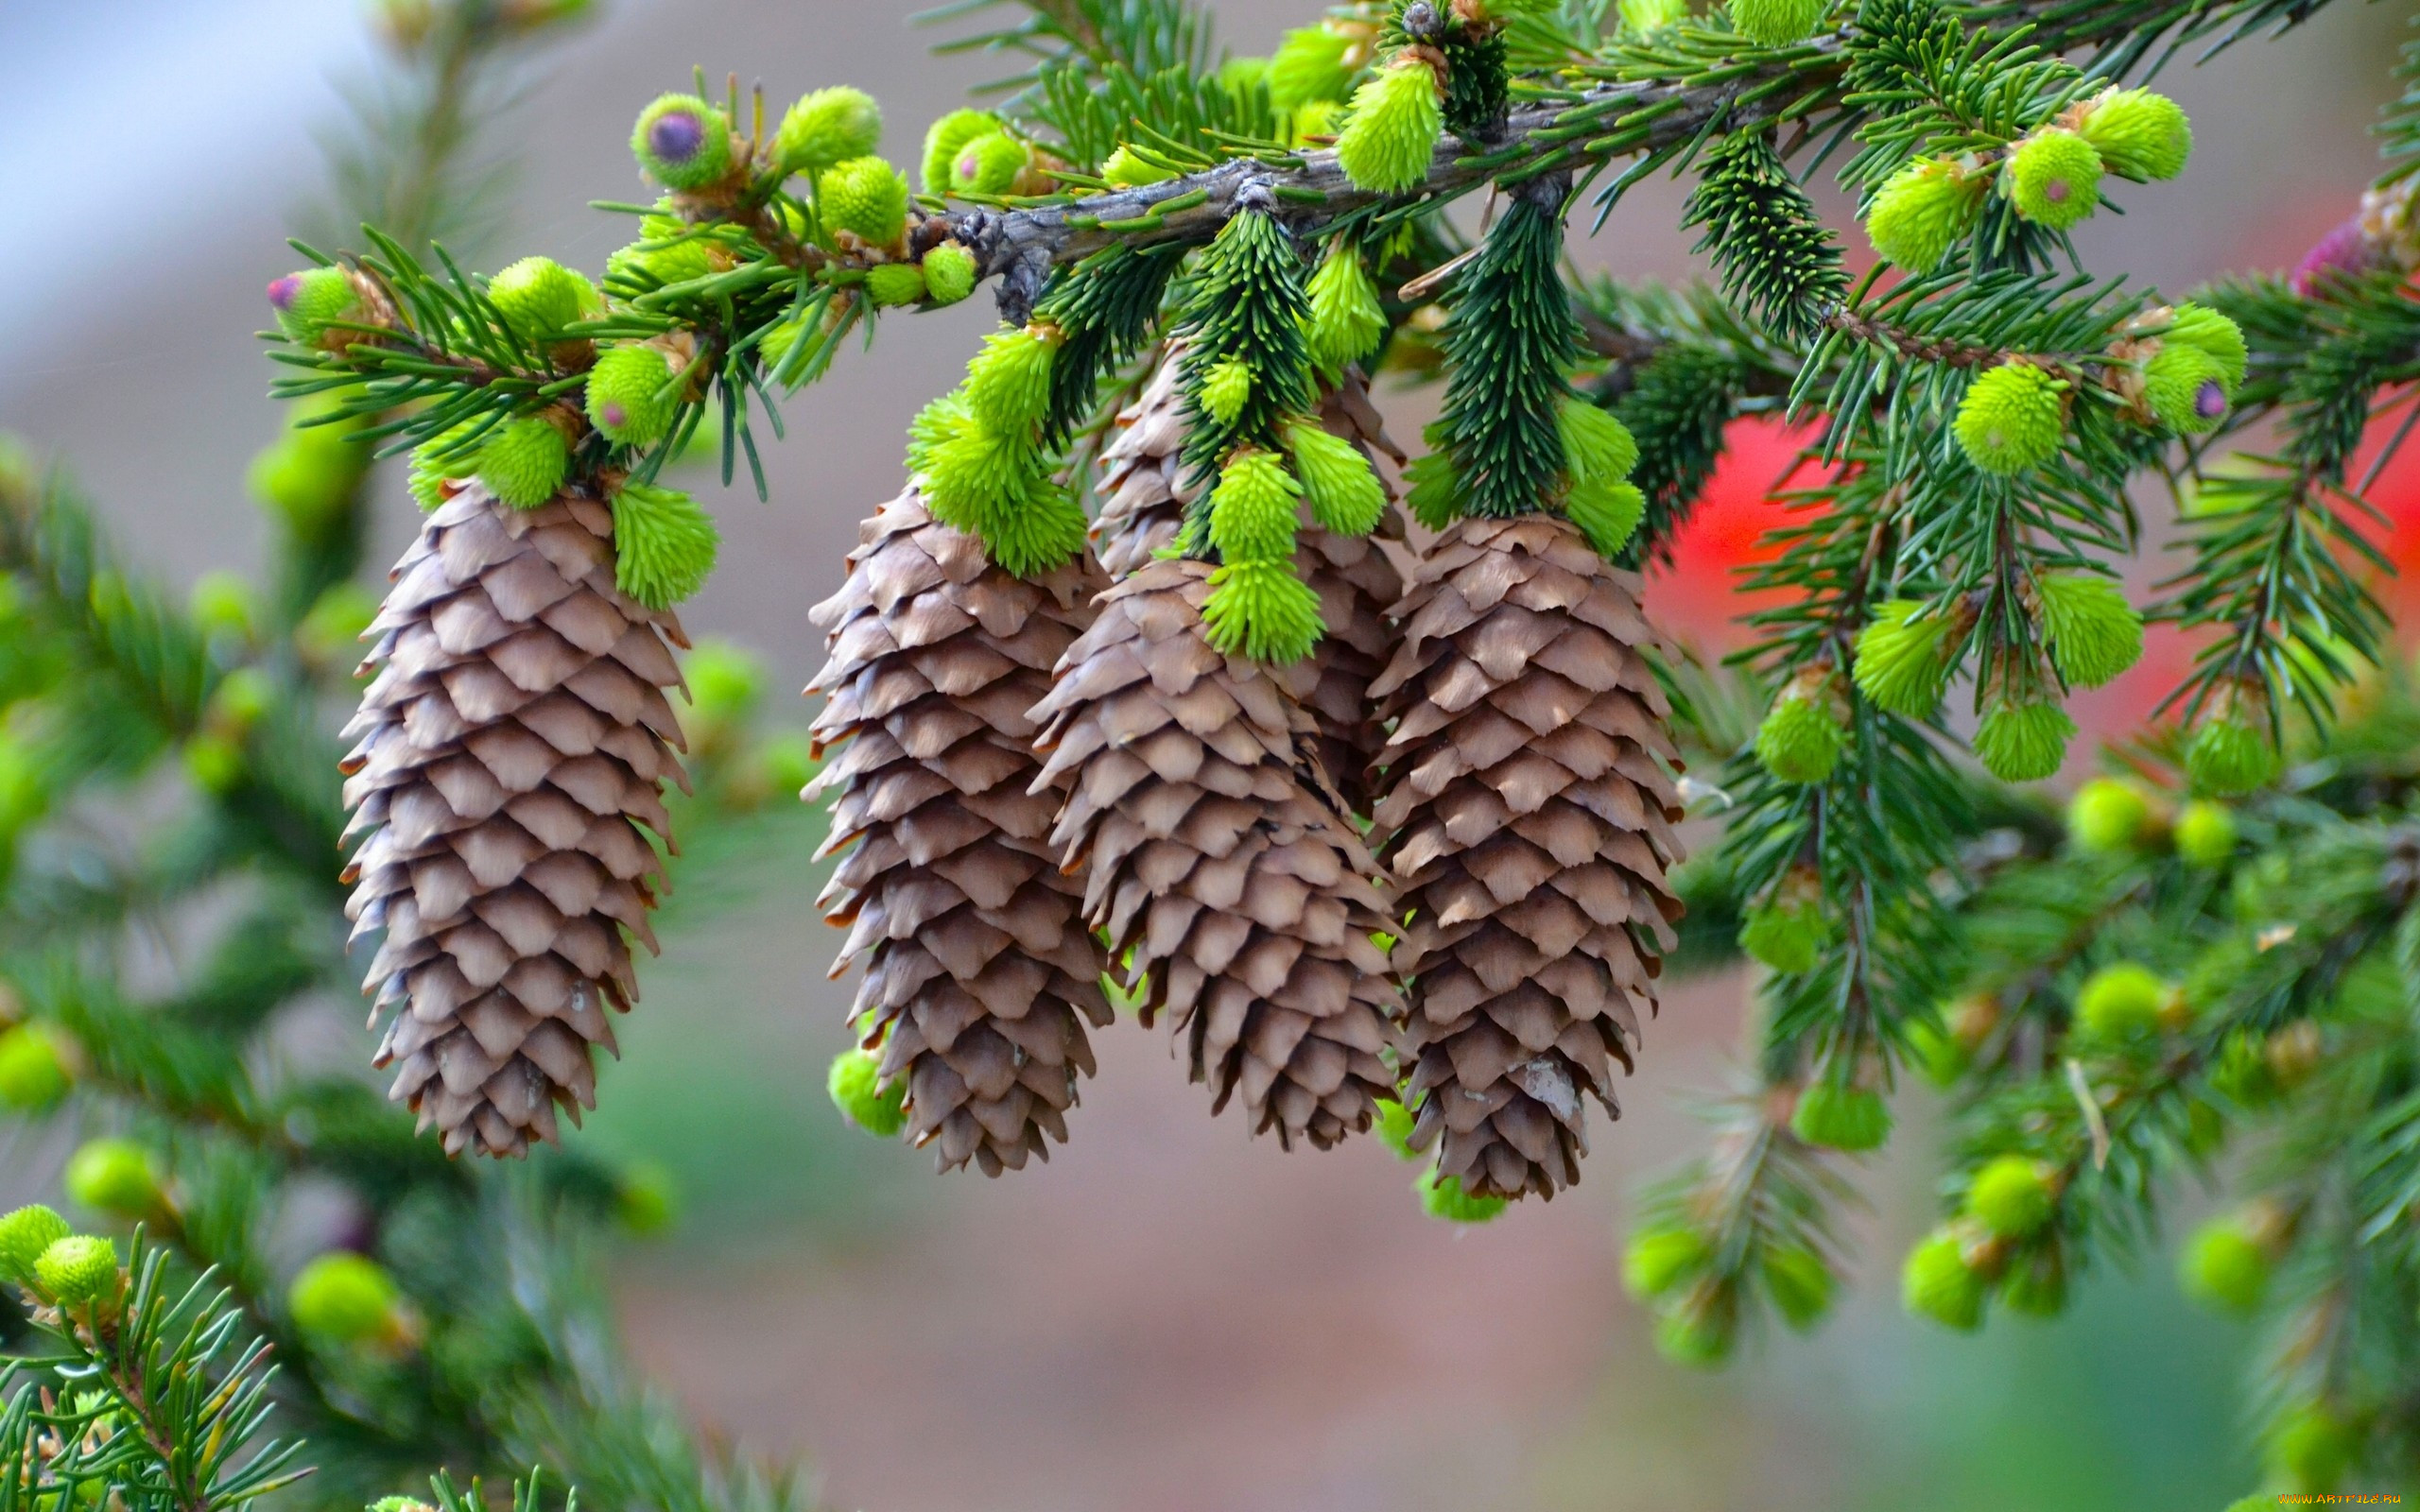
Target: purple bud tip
(2343, 249)
(615, 415)
(968, 164)
(283, 290)
(676, 135)
(2055, 191)
(2209, 401)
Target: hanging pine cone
(979, 974)
(1529, 829)
(1217, 856)
(1143, 490)
(512, 746)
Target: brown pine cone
(1143, 490)
(979, 972)
(1219, 857)
(1529, 829)
(514, 743)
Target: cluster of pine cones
(1037, 782)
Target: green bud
(664, 544)
(1776, 22)
(1347, 322)
(1395, 1123)
(1310, 66)
(1801, 739)
(1315, 123)
(2036, 1283)
(2224, 1269)
(2121, 1001)
(1252, 509)
(682, 141)
(1442, 1196)
(2205, 833)
(344, 1298)
(1659, 1260)
(2313, 1449)
(646, 1201)
(826, 126)
(1936, 1282)
(1596, 446)
(1696, 1335)
(1263, 611)
(2011, 419)
(2138, 134)
(1922, 211)
(725, 682)
(1801, 1285)
(1008, 385)
(1789, 935)
(853, 1082)
(2108, 815)
(439, 460)
(221, 603)
(2198, 325)
(1839, 1117)
(309, 302)
(2185, 388)
(1225, 390)
(946, 138)
(1242, 76)
(632, 397)
(2230, 756)
(523, 462)
(24, 1235)
(865, 197)
(1607, 513)
(113, 1176)
(1899, 664)
(78, 1270)
(949, 273)
(1937, 1053)
(788, 761)
(2012, 1196)
(2054, 178)
(1126, 169)
(1345, 494)
(1641, 17)
(33, 1069)
(1392, 129)
(1435, 496)
(2023, 741)
(538, 297)
(334, 625)
(896, 283)
(2094, 633)
(989, 165)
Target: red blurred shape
(1697, 597)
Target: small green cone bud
(852, 1083)
(2012, 419)
(1309, 65)
(2205, 834)
(682, 141)
(1225, 390)
(2138, 134)
(1392, 130)
(1316, 123)
(1801, 738)
(1791, 936)
(1776, 22)
(2054, 178)
(2036, 1284)
(826, 126)
(1262, 609)
(2121, 1001)
(896, 283)
(1241, 78)
(1127, 169)
(632, 397)
(865, 197)
(1395, 1124)
(2228, 757)
(2224, 1269)
(646, 1201)
(1435, 496)
(1937, 1053)
(1596, 446)
(726, 683)
(538, 297)
(949, 273)
(2108, 815)
(1253, 510)
(1442, 1196)
(344, 1298)
(675, 262)
(2094, 633)
(2198, 325)
(113, 1176)
(437, 461)
(1347, 322)
(1607, 513)
(664, 544)
(946, 138)
(24, 1235)
(2313, 1449)
(2186, 388)
(523, 462)
(1346, 496)
(1659, 1260)
(1641, 17)
(221, 603)
(788, 761)
(2012, 1196)
(78, 1270)
(334, 625)
(307, 302)
(1695, 1336)
(1801, 1285)
(989, 165)
(1922, 211)
(1937, 1284)
(1008, 385)
(2023, 741)
(1899, 666)
(33, 1072)
(1838, 1117)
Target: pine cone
(1218, 855)
(1143, 490)
(1529, 829)
(512, 744)
(978, 973)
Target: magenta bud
(281, 290)
(676, 135)
(2056, 190)
(2342, 250)
(2209, 401)
(613, 414)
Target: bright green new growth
(2186, 388)
(989, 165)
(2228, 756)
(1442, 1196)
(1800, 1284)
(826, 126)
(853, 1083)
(2023, 741)
(2108, 815)
(664, 544)
(2205, 833)
(2012, 1196)
(1391, 130)
(1226, 388)
(1800, 741)
(1007, 383)
(1262, 609)
(682, 141)
(1640, 17)
(2224, 1268)
(1789, 934)
(2198, 325)
(24, 1235)
(1394, 1127)
(2312, 1448)
(1309, 65)
(1435, 488)
(1776, 22)
(2138, 134)
(1596, 446)
(1659, 1260)
(33, 1074)
(2054, 177)
(1840, 1117)
(950, 272)
(77, 1269)
(1899, 664)
(343, 1297)
(436, 460)
(1936, 1282)
(113, 1176)
(523, 462)
(632, 397)
(538, 297)
(946, 139)
(1922, 211)
(2094, 633)
(865, 197)
(2012, 417)
(1252, 509)
(2121, 1001)
(1345, 494)
(1607, 513)
(1129, 169)
(894, 284)
(307, 302)
(995, 486)
(1347, 322)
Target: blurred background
(1169, 1316)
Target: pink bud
(2345, 251)
(2209, 401)
(283, 290)
(676, 135)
